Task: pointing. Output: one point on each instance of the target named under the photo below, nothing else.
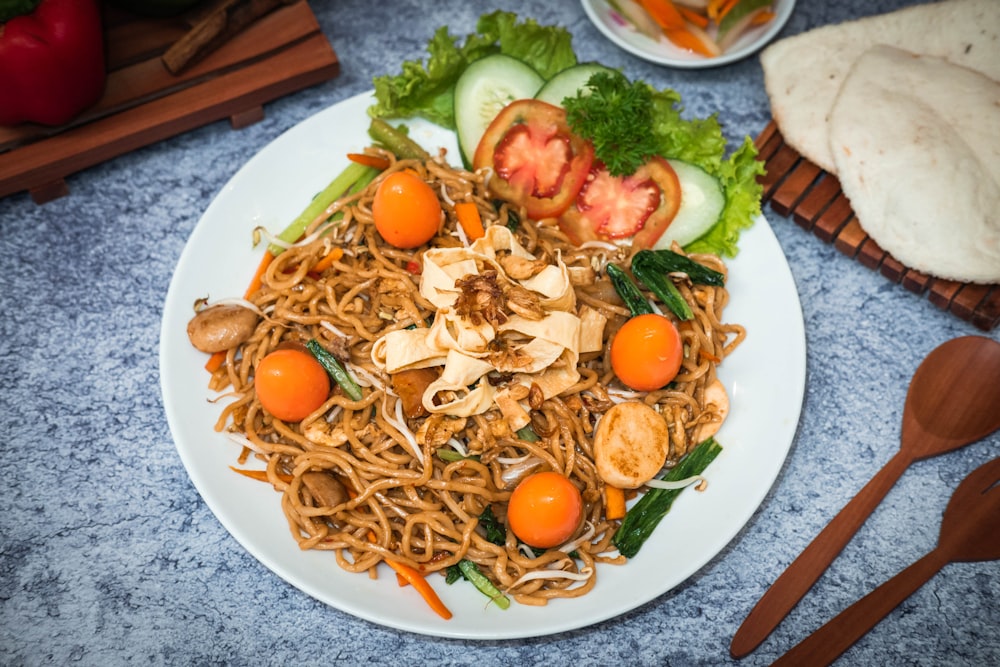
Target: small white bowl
(663, 52)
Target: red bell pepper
(51, 61)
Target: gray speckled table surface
(108, 555)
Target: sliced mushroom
(326, 490)
(630, 445)
(717, 403)
(221, 327)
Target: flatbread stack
(904, 108)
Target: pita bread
(803, 73)
(916, 144)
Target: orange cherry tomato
(545, 510)
(406, 210)
(646, 352)
(291, 384)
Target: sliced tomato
(536, 159)
(641, 205)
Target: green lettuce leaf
(548, 49)
(700, 141)
(738, 175)
(426, 89)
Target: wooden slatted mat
(797, 188)
(282, 52)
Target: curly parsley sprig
(617, 116)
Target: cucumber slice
(702, 201)
(570, 81)
(485, 87)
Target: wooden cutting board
(812, 197)
(143, 103)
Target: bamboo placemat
(796, 188)
(143, 103)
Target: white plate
(663, 52)
(766, 378)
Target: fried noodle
(403, 501)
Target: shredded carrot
(709, 356)
(762, 17)
(418, 582)
(686, 39)
(469, 218)
(415, 579)
(614, 502)
(726, 7)
(215, 361)
(372, 161)
(327, 261)
(713, 9)
(260, 475)
(401, 580)
(694, 17)
(258, 275)
(664, 13)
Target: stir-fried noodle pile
(361, 479)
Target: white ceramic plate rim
(662, 52)
(765, 378)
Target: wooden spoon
(970, 531)
(953, 400)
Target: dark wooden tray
(797, 188)
(143, 102)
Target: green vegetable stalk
(469, 571)
(642, 519)
(668, 261)
(660, 284)
(628, 291)
(354, 177)
(335, 369)
(351, 180)
(396, 141)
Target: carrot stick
(664, 13)
(726, 7)
(687, 39)
(762, 17)
(415, 579)
(258, 275)
(214, 362)
(418, 582)
(260, 475)
(372, 161)
(469, 218)
(614, 502)
(713, 9)
(709, 356)
(327, 261)
(693, 17)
